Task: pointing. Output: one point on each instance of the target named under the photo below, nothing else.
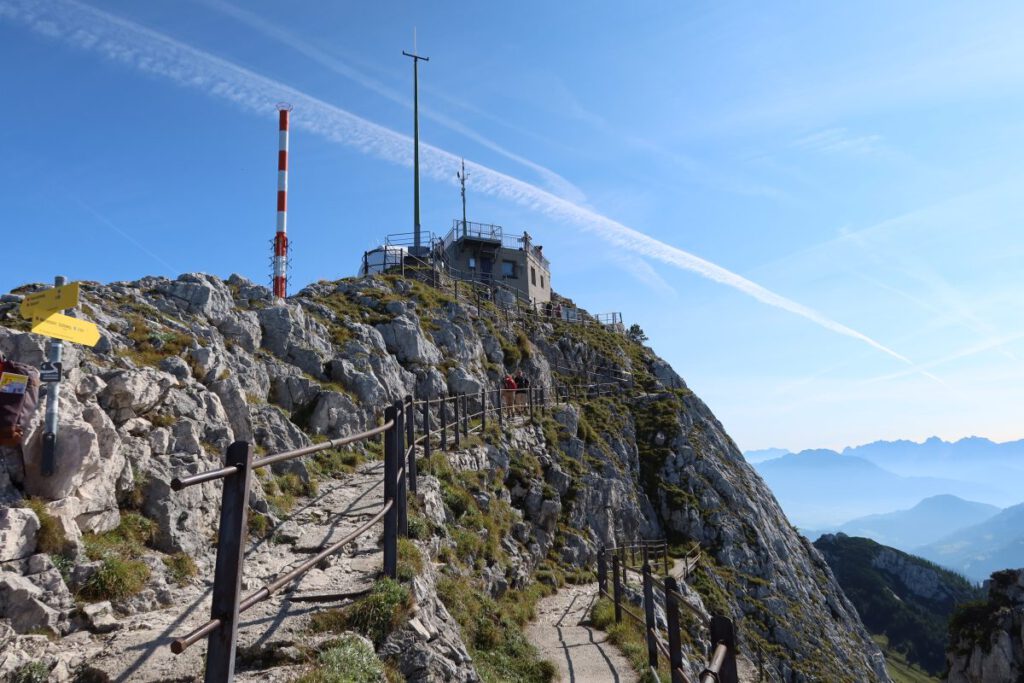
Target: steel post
(54, 357)
(483, 410)
(227, 575)
(426, 431)
(455, 423)
(442, 410)
(602, 571)
(400, 492)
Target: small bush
(51, 539)
(375, 616)
(419, 528)
(128, 540)
(116, 579)
(180, 568)
(348, 660)
(259, 525)
(33, 672)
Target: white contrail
(126, 42)
(557, 183)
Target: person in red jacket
(508, 395)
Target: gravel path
(581, 652)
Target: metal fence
(721, 667)
(457, 417)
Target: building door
(486, 267)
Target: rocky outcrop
(186, 366)
(986, 642)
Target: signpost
(46, 308)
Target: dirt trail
(581, 652)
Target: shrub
(348, 660)
(128, 540)
(116, 579)
(180, 568)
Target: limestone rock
(406, 341)
(18, 530)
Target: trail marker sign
(39, 305)
(67, 328)
(51, 372)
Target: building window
(542, 282)
(471, 263)
(508, 269)
(533, 276)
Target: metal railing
(457, 416)
(721, 666)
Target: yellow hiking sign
(67, 328)
(39, 305)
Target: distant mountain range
(904, 598)
(980, 549)
(821, 488)
(928, 521)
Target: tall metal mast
(462, 182)
(416, 144)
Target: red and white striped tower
(281, 238)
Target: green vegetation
(493, 630)
(899, 668)
(628, 636)
(150, 346)
(347, 660)
(375, 616)
(50, 539)
(121, 573)
(915, 627)
(180, 568)
(410, 561)
(975, 621)
(33, 672)
(283, 489)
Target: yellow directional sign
(67, 328)
(41, 304)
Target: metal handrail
(179, 645)
(178, 483)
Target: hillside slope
(186, 366)
(904, 598)
(980, 549)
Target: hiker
(508, 394)
(522, 388)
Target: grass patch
(33, 672)
(116, 579)
(375, 616)
(128, 540)
(150, 346)
(493, 631)
(180, 568)
(283, 489)
(410, 561)
(347, 660)
(627, 635)
(50, 539)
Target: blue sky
(813, 210)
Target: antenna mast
(416, 143)
(462, 182)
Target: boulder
(130, 393)
(20, 601)
(19, 528)
(404, 338)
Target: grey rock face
(404, 338)
(18, 530)
(989, 646)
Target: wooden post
(400, 495)
(652, 643)
(501, 411)
(675, 647)
(664, 556)
(529, 395)
(227, 576)
(723, 631)
(617, 588)
(443, 414)
(602, 571)
(392, 457)
(410, 436)
(455, 423)
(465, 415)
(483, 410)
(426, 430)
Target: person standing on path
(522, 387)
